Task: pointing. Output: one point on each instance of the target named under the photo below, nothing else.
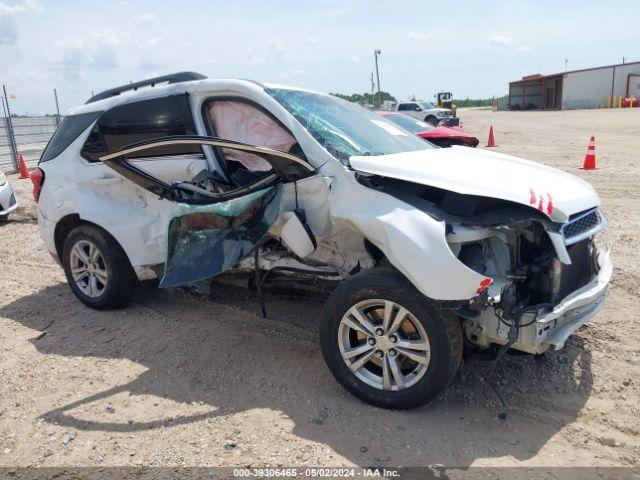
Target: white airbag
(295, 236)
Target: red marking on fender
(484, 284)
(532, 200)
(540, 205)
(549, 205)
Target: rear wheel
(97, 269)
(385, 344)
(431, 120)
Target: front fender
(412, 241)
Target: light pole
(377, 53)
(373, 86)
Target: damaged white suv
(182, 178)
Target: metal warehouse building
(587, 88)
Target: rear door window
(140, 121)
(68, 130)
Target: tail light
(37, 178)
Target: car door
(128, 212)
(414, 110)
(212, 229)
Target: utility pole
(373, 86)
(376, 53)
(55, 95)
(10, 133)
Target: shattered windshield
(344, 128)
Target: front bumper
(8, 201)
(553, 328)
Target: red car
(441, 136)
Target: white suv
(425, 111)
(181, 178)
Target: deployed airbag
(241, 122)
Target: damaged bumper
(8, 202)
(553, 328)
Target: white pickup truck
(425, 111)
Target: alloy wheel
(384, 345)
(88, 268)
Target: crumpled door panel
(204, 241)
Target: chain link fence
(30, 136)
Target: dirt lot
(178, 380)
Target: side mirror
(418, 109)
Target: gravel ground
(175, 380)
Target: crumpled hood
(472, 171)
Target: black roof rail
(171, 78)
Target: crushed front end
(548, 279)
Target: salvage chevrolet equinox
(181, 178)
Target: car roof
(148, 92)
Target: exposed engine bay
(511, 244)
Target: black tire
(431, 120)
(443, 331)
(122, 279)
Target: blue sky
(470, 48)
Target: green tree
(366, 98)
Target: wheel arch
(67, 223)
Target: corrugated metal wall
(31, 134)
(587, 89)
(592, 88)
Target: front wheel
(385, 344)
(430, 119)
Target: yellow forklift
(444, 101)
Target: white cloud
(68, 43)
(273, 52)
(152, 41)
(103, 57)
(355, 59)
(294, 74)
(99, 52)
(9, 32)
(499, 41)
(145, 18)
(525, 48)
(24, 6)
(419, 36)
(311, 41)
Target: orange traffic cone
(590, 157)
(491, 142)
(24, 171)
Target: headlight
(3, 178)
